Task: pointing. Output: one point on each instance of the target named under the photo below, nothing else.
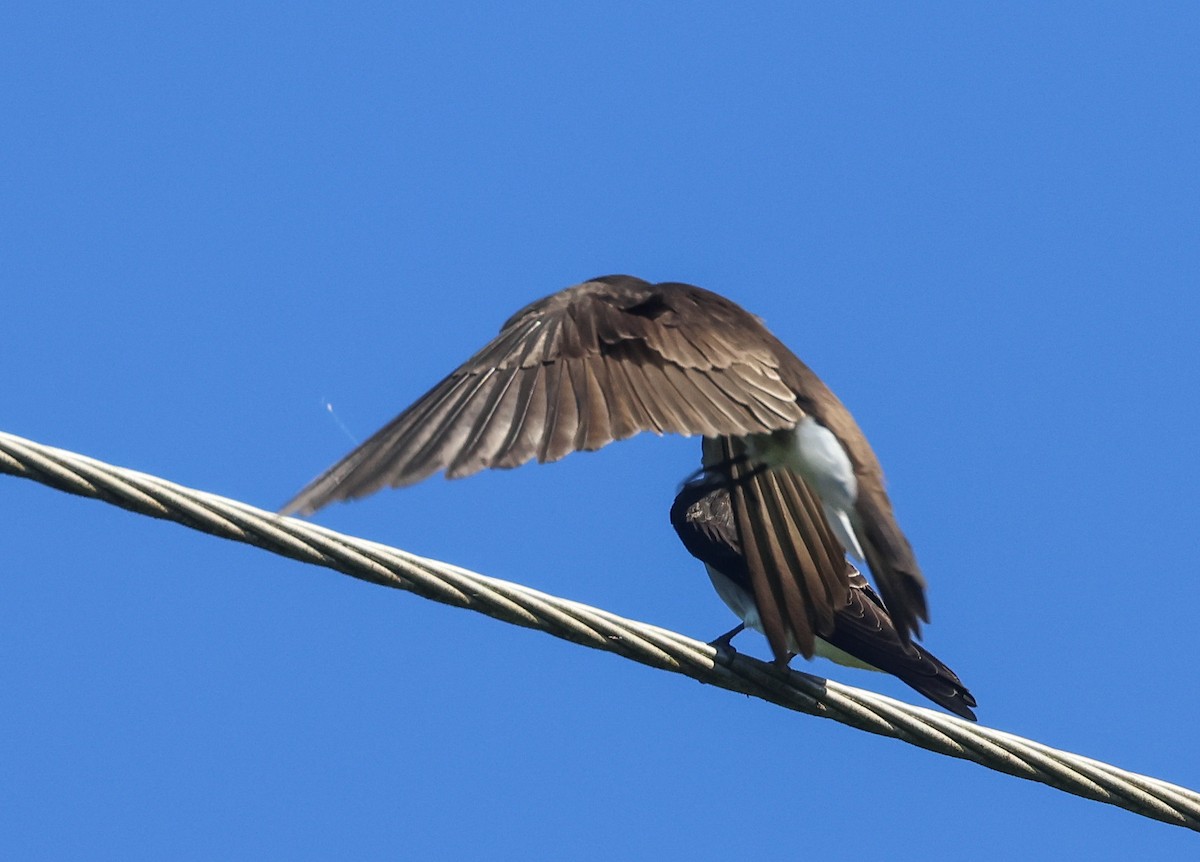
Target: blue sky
(977, 224)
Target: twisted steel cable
(640, 642)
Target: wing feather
(523, 439)
(562, 414)
(502, 409)
(594, 429)
(797, 572)
(626, 414)
(680, 415)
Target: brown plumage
(861, 632)
(616, 355)
(797, 569)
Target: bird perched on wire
(863, 634)
(616, 355)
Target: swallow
(615, 356)
(863, 634)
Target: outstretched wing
(579, 369)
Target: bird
(616, 355)
(863, 634)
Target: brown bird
(616, 355)
(863, 634)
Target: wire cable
(599, 629)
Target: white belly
(742, 603)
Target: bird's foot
(724, 645)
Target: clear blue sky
(978, 225)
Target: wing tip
(959, 703)
(303, 504)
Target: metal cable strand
(599, 629)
